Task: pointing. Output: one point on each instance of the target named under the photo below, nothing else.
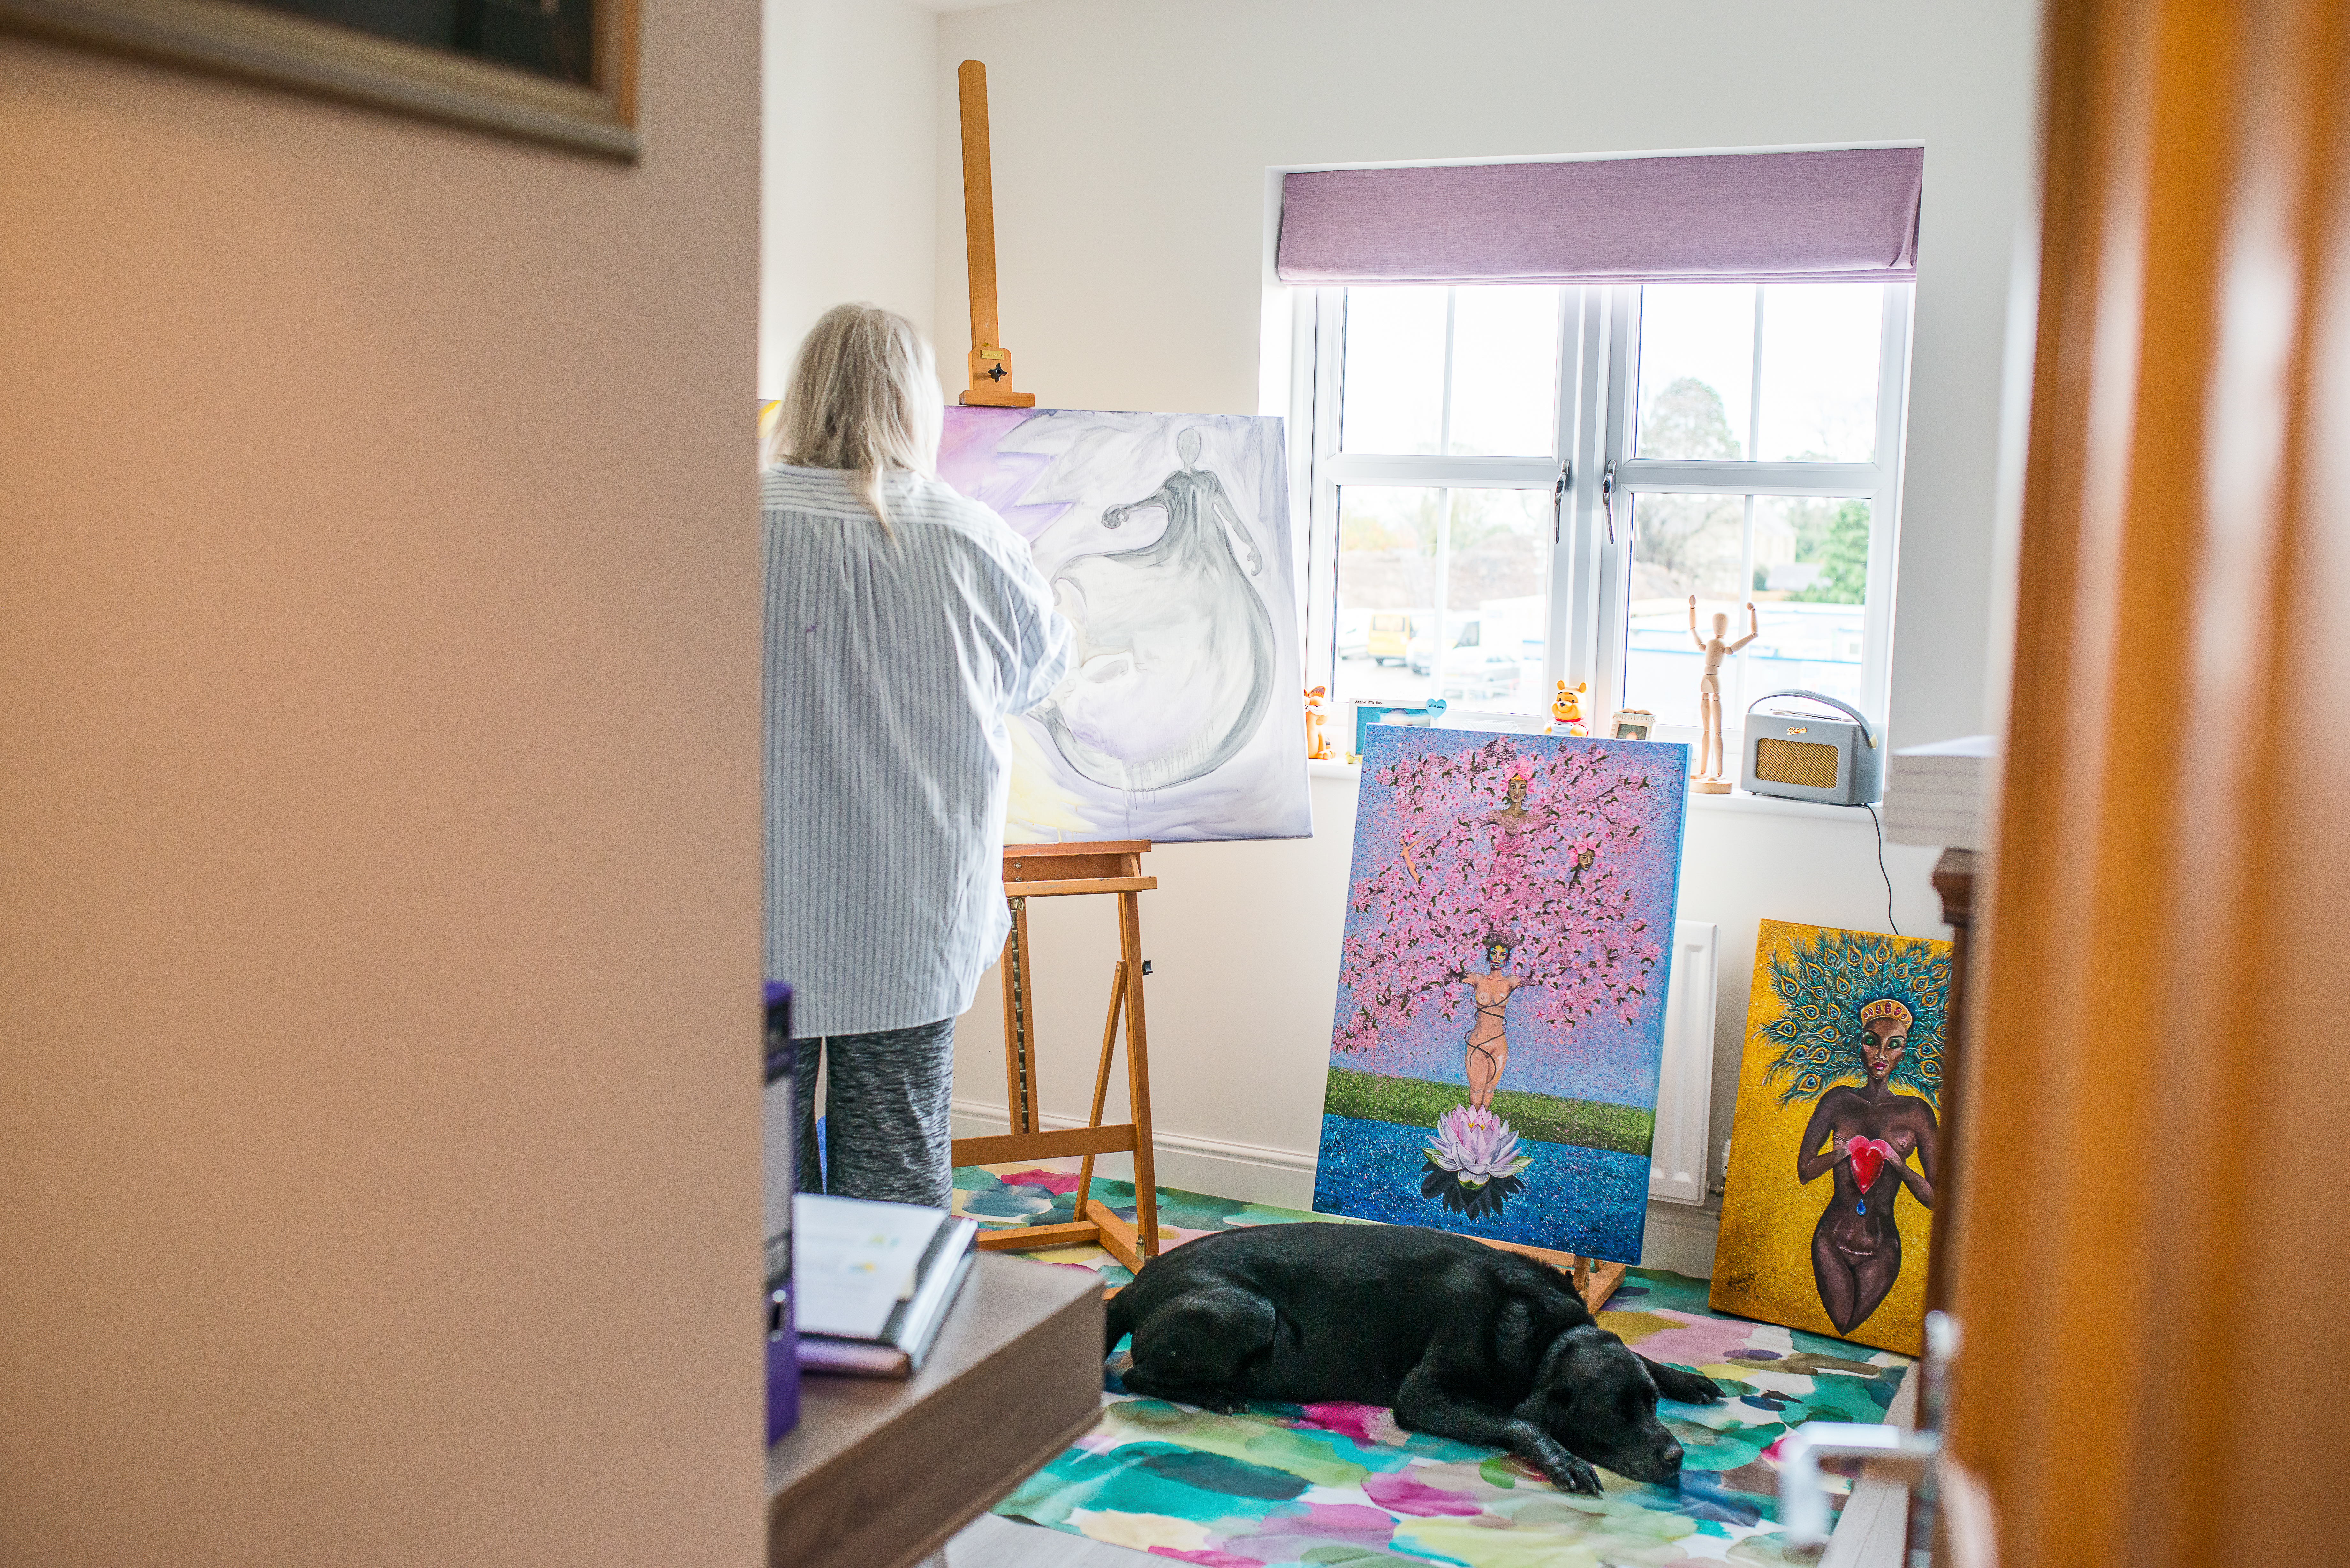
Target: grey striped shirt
(890, 667)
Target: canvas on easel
(1828, 1204)
(1166, 540)
(1501, 1005)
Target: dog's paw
(1691, 1389)
(1568, 1473)
(1224, 1404)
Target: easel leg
(1138, 1077)
(1018, 1075)
(1101, 1080)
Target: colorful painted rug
(1341, 1486)
(1045, 1194)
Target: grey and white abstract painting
(1166, 539)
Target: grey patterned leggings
(886, 1130)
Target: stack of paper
(873, 1282)
(1939, 794)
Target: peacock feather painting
(1836, 1144)
(1166, 540)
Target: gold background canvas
(1762, 1262)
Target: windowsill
(1737, 800)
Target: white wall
(1131, 145)
(848, 188)
(378, 892)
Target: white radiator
(1685, 1072)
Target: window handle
(1608, 497)
(1558, 498)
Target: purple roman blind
(1745, 217)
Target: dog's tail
(1118, 1320)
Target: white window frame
(1598, 356)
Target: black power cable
(1880, 865)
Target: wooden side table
(879, 1472)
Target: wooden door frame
(2168, 888)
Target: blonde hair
(863, 399)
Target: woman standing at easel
(904, 624)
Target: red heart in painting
(1869, 1154)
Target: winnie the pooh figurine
(1566, 709)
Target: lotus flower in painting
(1476, 1146)
(1473, 1164)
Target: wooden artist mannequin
(1708, 777)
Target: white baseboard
(1677, 1237)
(1254, 1173)
(1680, 1239)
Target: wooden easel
(1594, 1283)
(1060, 871)
(1054, 870)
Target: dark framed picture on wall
(559, 71)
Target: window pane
(1684, 545)
(1505, 371)
(1681, 544)
(1394, 397)
(1819, 370)
(1500, 582)
(1697, 369)
(1387, 591)
(1810, 573)
(1811, 549)
(1482, 644)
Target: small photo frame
(1631, 725)
(1369, 713)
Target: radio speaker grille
(1796, 762)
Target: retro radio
(1805, 757)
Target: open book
(873, 1282)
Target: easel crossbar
(1061, 1145)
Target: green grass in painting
(1413, 1101)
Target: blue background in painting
(1604, 1058)
(1589, 1201)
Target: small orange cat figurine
(1317, 745)
(1566, 709)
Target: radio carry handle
(1866, 733)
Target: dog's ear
(1513, 1333)
(1551, 1404)
(1555, 1369)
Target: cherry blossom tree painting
(1502, 986)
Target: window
(1470, 444)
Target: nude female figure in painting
(1488, 1039)
(1871, 1132)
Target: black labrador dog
(1463, 1340)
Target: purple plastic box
(781, 1122)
